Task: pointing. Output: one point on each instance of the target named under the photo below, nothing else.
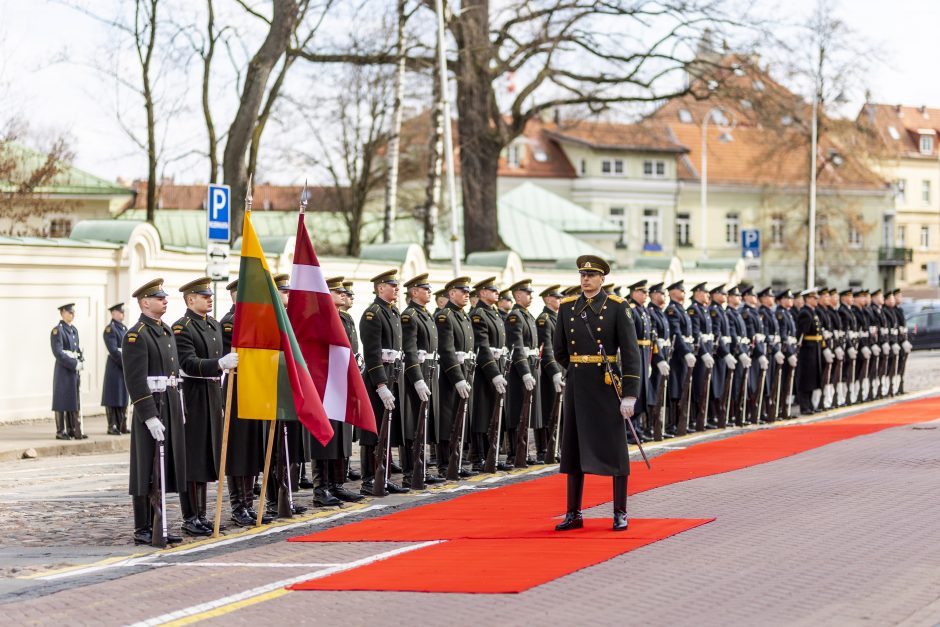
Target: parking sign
(218, 206)
(750, 243)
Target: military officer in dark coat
(492, 353)
(595, 436)
(522, 341)
(69, 362)
(774, 348)
(455, 346)
(199, 345)
(440, 301)
(644, 336)
(705, 344)
(113, 391)
(662, 351)
(683, 351)
(504, 304)
(551, 381)
(750, 313)
(245, 456)
(809, 370)
(786, 325)
(725, 360)
(848, 389)
(151, 373)
(380, 328)
(349, 325)
(420, 345)
(741, 343)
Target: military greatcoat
(809, 369)
(455, 345)
(380, 327)
(489, 340)
(594, 438)
(64, 337)
(545, 323)
(199, 345)
(114, 392)
(419, 333)
(149, 350)
(522, 338)
(680, 328)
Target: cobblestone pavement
(844, 534)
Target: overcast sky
(40, 42)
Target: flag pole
(267, 469)
(225, 426)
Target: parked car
(924, 329)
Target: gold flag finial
(248, 195)
(303, 198)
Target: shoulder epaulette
(568, 299)
(632, 305)
(615, 298)
(512, 319)
(55, 330)
(690, 311)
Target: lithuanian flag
(273, 379)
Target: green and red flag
(273, 379)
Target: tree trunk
(240, 132)
(394, 143)
(206, 109)
(478, 137)
(145, 58)
(435, 165)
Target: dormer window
(758, 85)
(926, 141)
(893, 132)
(685, 116)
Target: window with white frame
(612, 167)
(682, 229)
(855, 232)
(926, 144)
(514, 155)
(925, 192)
(60, 227)
(652, 226)
(924, 237)
(900, 236)
(654, 169)
(900, 187)
(732, 228)
(619, 216)
(776, 230)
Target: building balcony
(892, 256)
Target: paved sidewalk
(39, 435)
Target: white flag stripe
(334, 398)
(308, 279)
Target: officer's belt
(663, 343)
(531, 352)
(812, 338)
(643, 342)
(707, 337)
(775, 339)
(744, 341)
(390, 356)
(791, 340)
(687, 338)
(591, 359)
(424, 356)
(499, 352)
(161, 383)
(192, 376)
(725, 338)
(461, 356)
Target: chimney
(923, 111)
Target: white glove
(156, 428)
(499, 382)
(528, 381)
(873, 330)
(840, 354)
(708, 360)
(626, 407)
(690, 360)
(558, 382)
(424, 392)
(228, 361)
(886, 348)
(79, 366)
(745, 360)
(907, 346)
(762, 362)
(463, 389)
(896, 349)
(663, 368)
(866, 352)
(792, 361)
(828, 356)
(875, 350)
(388, 399)
(730, 363)
(853, 353)
(779, 358)
(120, 351)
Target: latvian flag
(323, 340)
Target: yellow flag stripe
(257, 383)
(251, 247)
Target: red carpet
(493, 530)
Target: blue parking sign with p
(750, 243)
(219, 208)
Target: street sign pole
(218, 233)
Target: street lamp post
(448, 139)
(703, 188)
(811, 244)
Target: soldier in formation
(113, 391)
(66, 376)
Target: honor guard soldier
(151, 373)
(349, 325)
(380, 328)
(594, 438)
(812, 344)
(895, 323)
(490, 344)
(66, 377)
(522, 341)
(245, 456)
(329, 460)
(774, 352)
(741, 349)
(725, 361)
(551, 381)
(420, 345)
(644, 334)
(758, 375)
(835, 342)
(662, 352)
(683, 358)
(848, 390)
(786, 325)
(504, 304)
(705, 343)
(113, 391)
(440, 301)
(455, 345)
(884, 341)
(201, 360)
(864, 359)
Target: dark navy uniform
(545, 323)
(705, 342)
(754, 327)
(113, 391)
(723, 348)
(661, 349)
(683, 343)
(786, 326)
(809, 370)
(65, 378)
(522, 340)
(741, 349)
(455, 337)
(643, 327)
(420, 345)
(489, 342)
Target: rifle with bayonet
(659, 408)
(419, 465)
(457, 429)
(522, 431)
(383, 448)
(554, 422)
(158, 484)
(724, 405)
(701, 415)
(494, 429)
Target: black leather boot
(60, 433)
(620, 503)
(573, 519)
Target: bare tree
(394, 141)
(431, 208)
